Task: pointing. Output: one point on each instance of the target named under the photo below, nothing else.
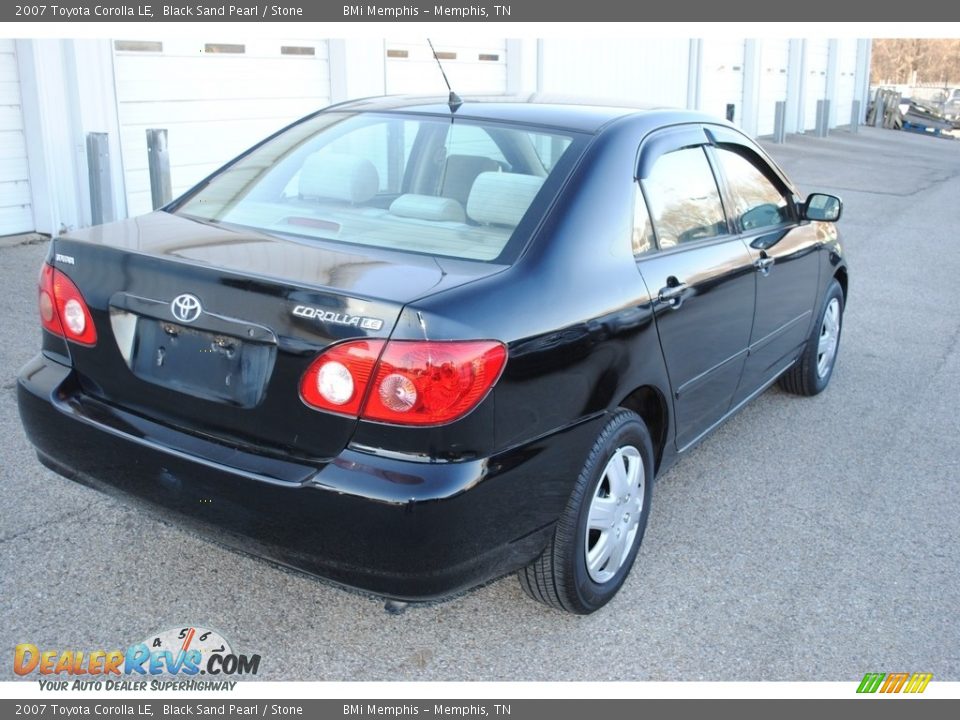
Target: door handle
(672, 294)
(764, 263)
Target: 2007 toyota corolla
(411, 347)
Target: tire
(811, 373)
(606, 511)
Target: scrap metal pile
(889, 109)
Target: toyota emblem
(186, 308)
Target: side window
(757, 202)
(643, 241)
(683, 197)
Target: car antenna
(454, 101)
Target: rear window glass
(440, 186)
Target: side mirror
(819, 206)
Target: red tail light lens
(63, 310)
(429, 383)
(415, 382)
(337, 380)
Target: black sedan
(411, 347)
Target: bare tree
(914, 60)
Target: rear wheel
(812, 371)
(597, 537)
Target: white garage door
(774, 58)
(214, 99)
(16, 215)
(816, 54)
(722, 81)
(651, 72)
(842, 108)
(471, 68)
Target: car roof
(580, 114)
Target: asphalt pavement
(806, 539)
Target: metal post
(98, 171)
(855, 117)
(818, 128)
(158, 156)
(823, 118)
(780, 122)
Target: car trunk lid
(210, 329)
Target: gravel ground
(807, 539)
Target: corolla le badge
(336, 318)
(186, 308)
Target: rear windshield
(442, 186)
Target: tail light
(427, 383)
(337, 380)
(404, 382)
(63, 310)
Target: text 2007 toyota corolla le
(410, 349)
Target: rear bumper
(399, 528)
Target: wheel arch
(650, 404)
(841, 277)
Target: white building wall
(54, 136)
(478, 66)
(91, 71)
(357, 69)
(645, 71)
(846, 82)
(816, 57)
(772, 81)
(232, 100)
(793, 122)
(16, 211)
(522, 66)
(722, 68)
(862, 79)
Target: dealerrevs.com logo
(169, 660)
